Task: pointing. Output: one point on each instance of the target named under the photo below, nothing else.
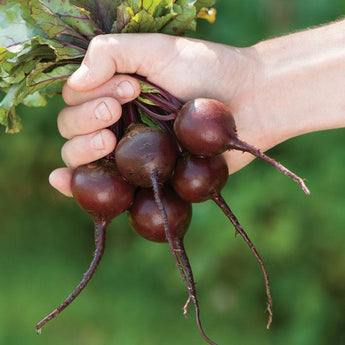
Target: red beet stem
(218, 199)
(240, 145)
(100, 227)
(159, 203)
(161, 102)
(154, 115)
(168, 96)
(180, 256)
(133, 115)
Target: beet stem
(186, 265)
(100, 227)
(240, 145)
(132, 112)
(219, 200)
(166, 127)
(167, 95)
(161, 102)
(179, 254)
(158, 200)
(154, 115)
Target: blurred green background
(136, 295)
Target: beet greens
(42, 42)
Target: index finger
(125, 53)
(123, 88)
(97, 67)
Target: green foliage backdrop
(136, 295)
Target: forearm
(300, 84)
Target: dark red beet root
(104, 194)
(144, 151)
(166, 219)
(149, 216)
(206, 127)
(146, 219)
(146, 157)
(197, 179)
(100, 190)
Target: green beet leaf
(42, 42)
(102, 12)
(16, 24)
(204, 4)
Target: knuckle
(61, 125)
(97, 42)
(67, 95)
(64, 153)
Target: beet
(206, 127)
(101, 191)
(148, 220)
(146, 157)
(197, 179)
(104, 194)
(145, 217)
(144, 153)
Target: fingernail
(102, 112)
(80, 73)
(125, 89)
(97, 142)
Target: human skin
(276, 89)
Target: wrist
(299, 83)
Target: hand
(276, 89)
(186, 68)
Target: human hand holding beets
(274, 93)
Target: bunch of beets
(168, 156)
